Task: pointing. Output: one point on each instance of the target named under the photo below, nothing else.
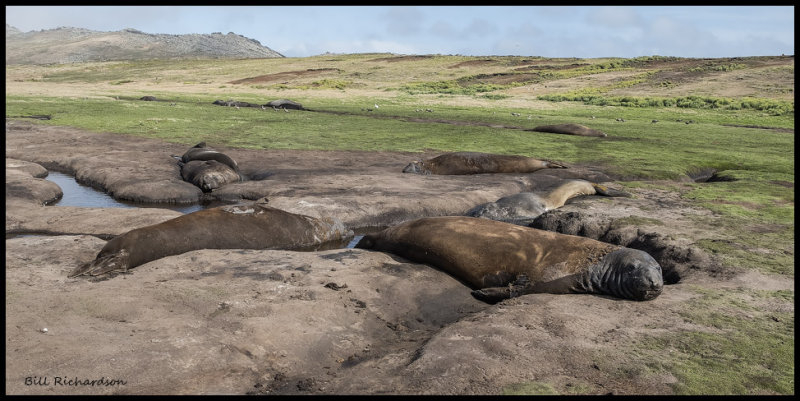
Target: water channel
(77, 194)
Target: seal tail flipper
(552, 164)
(102, 265)
(604, 190)
(80, 270)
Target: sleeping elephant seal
(208, 175)
(501, 260)
(570, 129)
(252, 225)
(478, 163)
(524, 207)
(202, 152)
(285, 104)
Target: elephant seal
(569, 129)
(285, 104)
(202, 152)
(208, 175)
(524, 207)
(478, 163)
(252, 225)
(234, 103)
(501, 260)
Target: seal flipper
(606, 191)
(103, 264)
(552, 164)
(494, 295)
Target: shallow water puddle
(76, 194)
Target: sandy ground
(338, 321)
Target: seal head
(626, 273)
(416, 167)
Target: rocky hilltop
(75, 45)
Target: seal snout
(635, 275)
(413, 167)
(647, 286)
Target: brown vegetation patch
(282, 76)
(500, 78)
(786, 184)
(395, 59)
(471, 63)
(748, 205)
(525, 61)
(766, 228)
(551, 67)
(776, 129)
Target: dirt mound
(401, 58)
(284, 76)
(501, 78)
(551, 67)
(472, 63)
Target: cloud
(675, 37)
(353, 46)
(477, 28)
(403, 21)
(614, 17)
(444, 29)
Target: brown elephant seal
(285, 104)
(500, 260)
(478, 163)
(252, 225)
(524, 207)
(208, 175)
(203, 152)
(570, 129)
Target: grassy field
(740, 115)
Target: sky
(547, 31)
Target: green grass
(757, 215)
(737, 348)
(594, 97)
(634, 148)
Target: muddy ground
(338, 321)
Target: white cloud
(444, 29)
(363, 46)
(614, 17)
(477, 28)
(403, 21)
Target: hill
(74, 45)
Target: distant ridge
(75, 45)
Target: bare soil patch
(396, 59)
(551, 67)
(473, 63)
(283, 76)
(500, 78)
